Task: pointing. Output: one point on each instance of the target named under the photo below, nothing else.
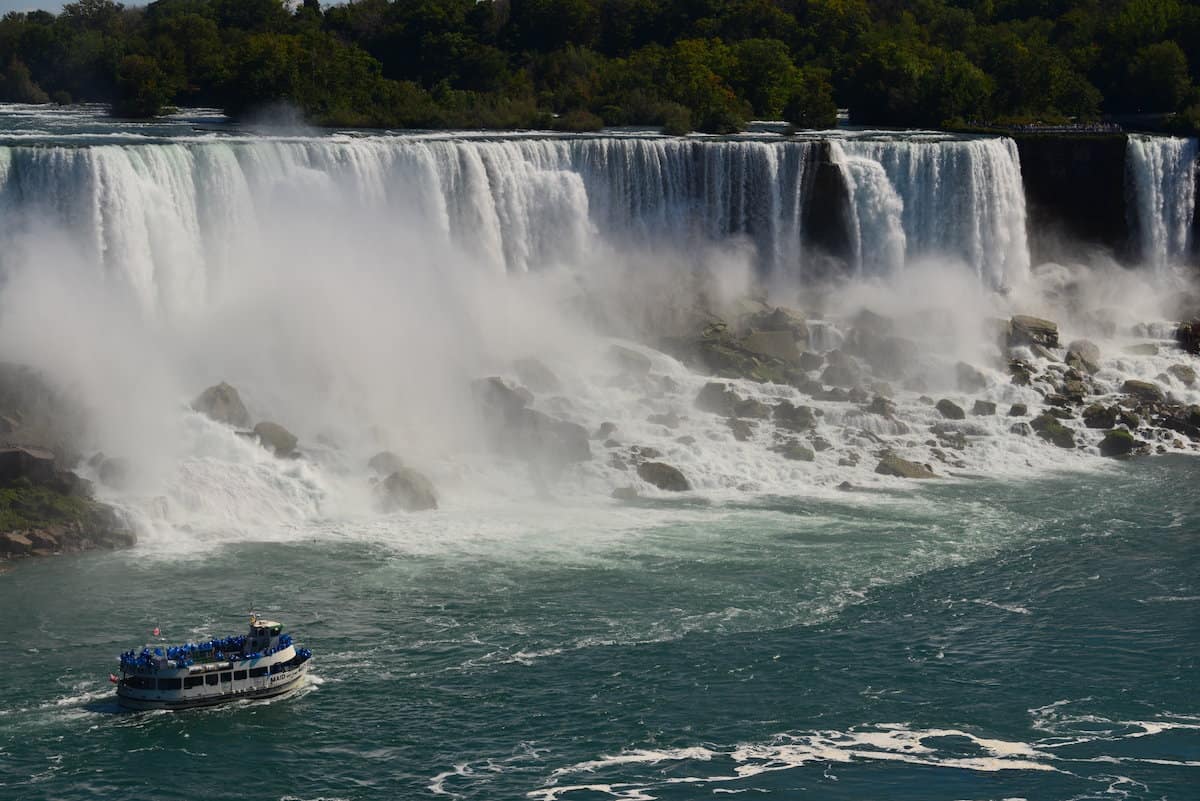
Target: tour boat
(261, 664)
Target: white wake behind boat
(261, 664)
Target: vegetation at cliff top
(579, 64)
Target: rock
(717, 398)
(536, 436)
(1021, 371)
(1142, 349)
(1075, 391)
(1026, 330)
(605, 431)
(223, 404)
(1185, 375)
(276, 438)
(845, 374)
(407, 490)
(629, 360)
(670, 420)
(114, 473)
(1084, 355)
(796, 452)
(846, 486)
(820, 444)
(779, 319)
(753, 409)
(32, 464)
(14, 543)
(810, 361)
(1117, 442)
(663, 476)
(742, 429)
(1050, 429)
(970, 379)
(385, 463)
(1099, 416)
(1188, 337)
(611, 443)
(500, 398)
(950, 410)
(1043, 353)
(688, 440)
(794, 418)
(644, 452)
(1143, 391)
(780, 345)
(1018, 410)
(534, 374)
(892, 465)
(858, 395)
(881, 406)
(1021, 429)
(625, 494)
(983, 408)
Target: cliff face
(826, 218)
(1075, 189)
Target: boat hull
(132, 699)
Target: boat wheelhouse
(263, 663)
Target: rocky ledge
(46, 510)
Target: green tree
(142, 88)
(1159, 77)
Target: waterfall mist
(353, 288)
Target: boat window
(139, 682)
(211, 679)
(257, 672)
(226, 678)
(239, 675)
(192, 681)
(170, 684)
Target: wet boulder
(385, 463)
(276, 438)
(810, 361)
(625, 494)
(1100, 416)
(950, 410)
(668, 419)
(717, 398)
(1018, 410)
(29, 464)
(892, 465)
(114, 473)
(1144, 391)
(779, 345)
(794, 418)
(742, 430)
(1050, 429)
(796, 452)
(629, 360)
(983, 408)
(1026, 330)
(663, 476)
(752, 409)
(1083, 355)
(1183, 373)
(223, 404)
(1188, 336)
(405, 490)
(970, 378)
(1117, 442)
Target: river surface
(974, 639)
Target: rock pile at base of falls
(517, 431)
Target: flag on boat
(113, 678)
(156, 631)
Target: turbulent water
(1019, 629)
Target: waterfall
(1161, 175)
(165, 218)
(960, 199)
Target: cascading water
(1161, 176)
(959, 199)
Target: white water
(1162, 176)
(352, 287)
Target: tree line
(707, 65)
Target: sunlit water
(977, 640)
